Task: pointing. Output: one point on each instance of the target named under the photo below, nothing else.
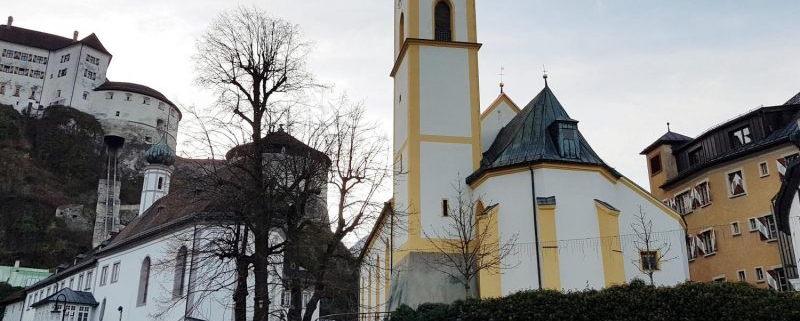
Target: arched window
(402, 35)
(443, 22)
(144, 282)
(180, 273)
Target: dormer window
(565, 136)
(696, 156)
(109, 95)
(443, 22)
(740, 137)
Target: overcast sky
(622, 68)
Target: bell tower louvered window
(565, 137)
(443, 22)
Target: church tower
(156, 175)
(437, 141)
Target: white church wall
(666, 229)
(513, 194)
(794, 225)
(123, 292)
(445, 92)
(580, 259)
(401, 105)
(443, 166)
(494, 122)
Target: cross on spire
(502, 73)
(544, 75)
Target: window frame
(660, 164)
(115, 267)
(763, 273)
(741, 275)
(738, 230)
(761, 170)
(445, 204)
(104, 275)
(452, 22)
(656, 262)
(728, 183)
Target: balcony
(443, 34)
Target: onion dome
(160, 153)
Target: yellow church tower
(437, 141)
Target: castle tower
(156, 175)
(436, 130)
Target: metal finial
(544, 75)
(668, 130)
(502, 84)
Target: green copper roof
(529, 138)
(160, 153)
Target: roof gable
(502, 98)
(46, 41)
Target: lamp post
(63, 310)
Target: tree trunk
(240, 293)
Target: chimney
(10, 21)
(75, 36)
(16, 263)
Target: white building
(157, 267)
(534, 175)
(786, 210)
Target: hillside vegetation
(45, 163)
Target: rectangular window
(2, 89)
(683, 202)
(89, 74)
(88, 281)
(80, 282)
(759, 274)
(736, 185)
(720, 278)
(649, 260)
(706, 242)
(85, 95)
(769, 221)
(115, 273)
(696, 156)
(104, 275)
(655, 165)
(286, 299)
(735, 228)
(71, 282)
(83, 314)
(752, 224)
(742, 275)
(16, 90)
(109, 95)
(65, 58)
(146, 100)
(128, 97)
(62, 72)
(445, 207)
(58, 93)
(33, 93)
(740, 137)
(702, 194)
(763, 169)
(92, 60)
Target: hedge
(635, 301)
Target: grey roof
(75, 297)
(668, 138)
(786, 134)
(527, 140)
(794, 100)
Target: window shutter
(700, 244)
(713, 241)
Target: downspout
(536, 228)
(191, 267)
(391, 259)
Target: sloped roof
(75, 297)
(527, 139)
(134, 88)
(794, 100)
(277, 142)
(43, 40)
(668, 138)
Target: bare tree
(652, 251)
(255, 63)
(465, 245)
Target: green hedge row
(635, 301)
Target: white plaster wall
(401, 86)
(136, 120)
(494, 122)
(443, 166)
(400, 183)
(445, 107)
(26, 82)
(581, 264)
(54, 83)
(794, 225)
(459, 13)
(513, 193)
(150, 189)
(14, 311)
(85, 84)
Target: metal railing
(443, 35)
(372, 316)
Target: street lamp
(120, 313)
(56, 306)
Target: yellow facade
(742, 251)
